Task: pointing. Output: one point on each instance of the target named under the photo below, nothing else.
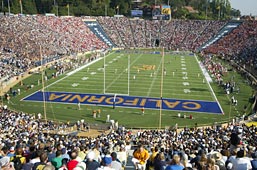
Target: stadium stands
(243, 49)
(224, 31)
(20, 37)
(98, 31)
(175, 34)
(19, 130)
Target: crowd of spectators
(174, 34)
(21, 38)
(239, 46)
(230, 146)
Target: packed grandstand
(218, 147)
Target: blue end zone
(127, 101)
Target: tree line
(204, 9)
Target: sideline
(208, 78)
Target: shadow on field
(198, 89)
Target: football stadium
(146, 89)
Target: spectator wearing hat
(115, 162)
(11, 152)
(254, 161)
(140, 155)
(241, 163)
(218, 160)
(91, 163)
(106, 161)
(5, 163)
(65, 154)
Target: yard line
(76, 70)
(121, 73)
(153, 81)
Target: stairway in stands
(95, 27)
(223, 31)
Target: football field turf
(136, 81)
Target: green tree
(213, 9)
(29, 7)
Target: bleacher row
(230, 146)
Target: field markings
(76, 70)
(117, 77)
(184, 75)
(208, 83)
(153, 81)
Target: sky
(246, 7)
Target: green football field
(143, 78)
(136, 74)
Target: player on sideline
(78, 105)
(143, 110)
(114, 101)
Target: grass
(146, 68)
